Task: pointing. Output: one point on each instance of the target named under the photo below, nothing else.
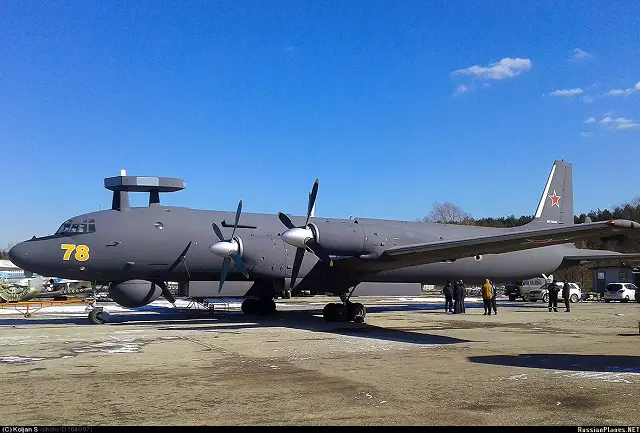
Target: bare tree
(448, 213)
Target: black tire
(545, 298)
(250, 307)
(607, 300)
(625, 300)
(356, 312)
(512, 298)
(267, 307)
(335, 313)
(573, 299)
(287, 294)
(95, 316)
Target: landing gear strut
(262, 307)
(346, 311)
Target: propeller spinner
(229, 249)
(303, 238)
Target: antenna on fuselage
(123, 184)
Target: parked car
(638, 296)
(623, 292)
(575, 294)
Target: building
(603, 275)
(10, 271)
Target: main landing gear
(346, 311)
(258, 307)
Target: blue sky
(254, 100)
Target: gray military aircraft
(137, 250)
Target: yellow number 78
(82, 252)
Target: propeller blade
(235, 225)
(226, 264)
(179, 259)
(312, 200)
(217, 231)
(284, 219)
(240, 264)
(320, 252)
(297, 262)
(165, 292)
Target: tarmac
(411, 363)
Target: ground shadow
(311, 320)
(166, 318)
(572, 362)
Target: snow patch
(515, 377)
(109, 348)
(17, 359)
(622, 376)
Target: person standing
(463, 294)
(447, 291)
(487, 294)
(493, 298)
(456, 298)
(566, 294)
(553, 296)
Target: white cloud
(566, 92)
(579, 55)
(618, 123)
(505, 68)
(586, 134)
(590, 120)
(624, 92)
(461, 89)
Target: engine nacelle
(339, 238)
(134, 293)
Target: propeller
(304, 237)
(181, 258)
(229, 249)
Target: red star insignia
(555, 199)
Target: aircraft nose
(19, 255)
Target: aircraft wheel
(250, 307)
(267, 307)
(95, 316)
(356, 312)
(335, 313)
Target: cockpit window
(81, 226)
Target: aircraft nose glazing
(297, 236)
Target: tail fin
(556, 203)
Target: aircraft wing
(606, 255)
(431, 252)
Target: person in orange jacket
(487, 294)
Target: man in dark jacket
(553, 296)
(462, 295)
(493, 298)
(566, 294)
(448, 297)
(456, 298)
